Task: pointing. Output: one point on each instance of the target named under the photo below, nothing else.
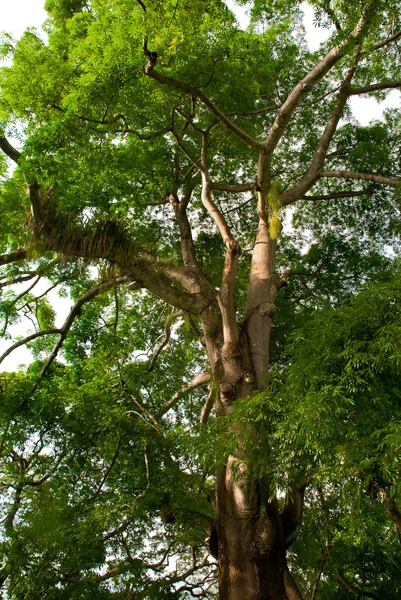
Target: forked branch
(197, 93)
(306, 85)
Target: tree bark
(250, 533)
(251, 547)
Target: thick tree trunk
(251, 547)
(250, 532)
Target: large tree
(161, 149)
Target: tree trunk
(250, 532)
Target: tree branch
(226, 295)
(235, 188)
(255, 111)
(390, 39)
(321, 151)
(100, 288)
(335, 195)
(9, 520)
(186, 241)
(208, 203)
(195, 92)
(305, 86)
(6, 259)
(141, 4)
(374, 87)
(178, 285)
(169, 321)
(207, 407)
(187, 387)
(9, 149)
(361, 176)
(27, 339)
(108, 471)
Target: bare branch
(108, 471)
(9, 520)
(318, 575)
(146, 412)
(330, 13)
(318, 159)
(141, 4)
(187, 387)
(226, 295)
(255, 111)
(186, 150)
(208, 203)
(361, 176)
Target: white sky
(17, 15)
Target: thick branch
(208, 203)
(36, 202)
(9, 521)
(186, 241)
(187, 387)
(335, 195)
(226, 296)
(361, 176)
(9, 149)
(181, 144)
(207, 407)
(6, 259)
(321, 151)
(177, 285)
(305, 86)
(375, 87)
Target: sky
(17, 15)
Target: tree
(162, 147)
